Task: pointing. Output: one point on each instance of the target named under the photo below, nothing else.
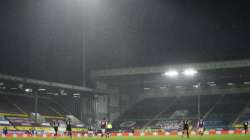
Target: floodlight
(246, 83)
(171, 73)
(28, 90)
(230, 84)
(189, 72)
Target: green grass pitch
(215, 137)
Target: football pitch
(215, 137)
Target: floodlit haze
(44, 39)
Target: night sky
(44, 39)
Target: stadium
(136, 70)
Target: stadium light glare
(41, 89)
(28, 90)
(171, 73)
(246, 83)
(230, 84)
(197, 85)
(212, 85)
(189, 72)
(76, 94)
(163, 87)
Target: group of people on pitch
(186, 128)
(56, 124)
(106, 128)
(201, 128)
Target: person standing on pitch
(185, 128)
(109, 129)
(103, 126)
(55, 126)
(5, 131)
(200, 127)
(245, 124)
(32, 131)
(68, 128)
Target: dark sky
(44, 39)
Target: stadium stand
(207, 102)
(126, 125)
(46, 109)
(245, 116)
(147, 108)
(6, 106)
(185, 106)
(4, 122)
(217, 110)
(25, 105)
(20, 121)
(17, 113)
(220, 111)
(227, 110)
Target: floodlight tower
(84, 44)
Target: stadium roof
(19, 85)
(211, 75)
(164, 68)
